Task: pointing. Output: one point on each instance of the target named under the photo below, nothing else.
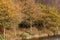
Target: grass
(1, 37)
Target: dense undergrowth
(46, 16)
(39, 16)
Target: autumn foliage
(12, 14)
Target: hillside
(25, 19)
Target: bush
(4, 14)
(23, 35)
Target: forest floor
(20, 33)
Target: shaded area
(1, 29)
